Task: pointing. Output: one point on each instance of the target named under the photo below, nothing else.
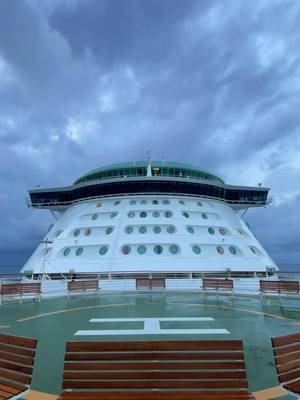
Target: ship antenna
(149, 170)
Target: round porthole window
(79, 251)
(199, 204)
(76, 232)
(173, 249)
(220, 250)
(168, 214)
(116, 203)
(126, 250)
(170, 229)
(143, 214)
(181, 202)
(155, 214)
(143, 201)
(132, 202)
(166, 202)
(158, 249)
(103, 250)
(190, 229)
(142, 229)
(196, 249)
(156, 229)
(204, 216)
(155, 202)
(109, 230)
(211, 231)
(222, 231)
(232, 250)
(98, 205)
(186, 215)
(87, 232)
(113, 215)
(131, 214)
(67, 251)
(141, 249)
(129, 229)
(94, 217)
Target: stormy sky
(215, 83)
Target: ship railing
(245, 283)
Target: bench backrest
(16, 362)
(146, 365)
(158, 283)
(142, 283)
(83, 285)
(279, 286)
(20, 288)
(154, 283)
(286, 351)
(209, 283)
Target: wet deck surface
(162, 317)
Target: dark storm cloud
(84, 83)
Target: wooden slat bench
(150, 284)
(83, 286)
(154, 370)
(286, 351)
(20, 289)
(16, 364)
(218, 285)
(280, 287)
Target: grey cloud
(193, 81)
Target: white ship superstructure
(149, 217)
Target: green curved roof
(139, 168)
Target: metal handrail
(122, 275)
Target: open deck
(161, 316)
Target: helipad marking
(65, 310)
(263, 314)
(151, 327)
(144, 319)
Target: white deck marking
(145, 319)
(151, 327)
(157, 332)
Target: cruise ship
(149, 216)
(141, 253)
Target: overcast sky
(84, 83)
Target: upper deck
(142, 178)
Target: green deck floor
(55, 321)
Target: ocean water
(10, 269)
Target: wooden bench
(150, 284)
(280, 287)
(83, 286)
(155, 370)
(286, 351)
(20, 289)
(218, 285)
(16, 364)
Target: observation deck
(148, 178)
